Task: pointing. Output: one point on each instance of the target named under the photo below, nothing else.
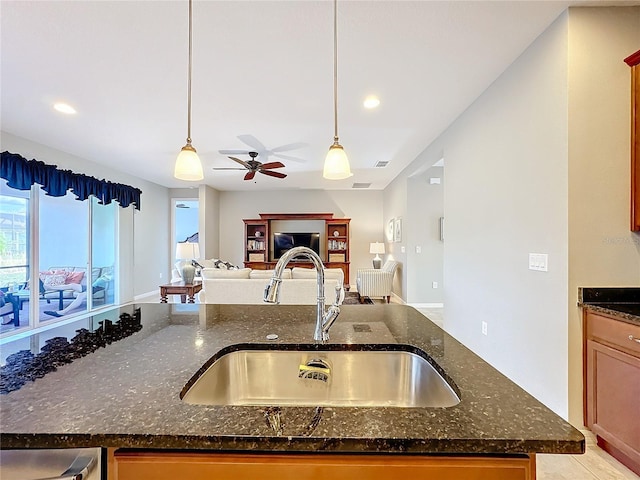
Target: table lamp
(187, 251)
(376, 248)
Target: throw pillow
(53, 279)
(74, 277)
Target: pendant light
(336, 163)
(188, 166)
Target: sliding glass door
(103, 253)
(58, 257)
(63, 227)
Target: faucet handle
(339, 292)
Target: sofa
(246, 286)
(64, 283)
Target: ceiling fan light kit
(336, 163)
(254, 166)
(188, 165)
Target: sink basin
(320, 375)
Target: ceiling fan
(254, 166)
(258, 147)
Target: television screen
(285, 241)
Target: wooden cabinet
(258, 241)
(612, 385)
(130, 465)
(337, 245)
(634, 62)
(256, 247)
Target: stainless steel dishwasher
(50, 464)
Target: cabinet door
(196, 466)
(613, 398)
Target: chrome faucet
(324, 320)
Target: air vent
(361, 185)
(382, 164)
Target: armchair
(372, 282)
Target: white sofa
(246, 286)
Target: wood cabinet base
(131, 465)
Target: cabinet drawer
(613, 332)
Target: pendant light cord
(189, 78)
(335, 70)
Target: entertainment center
(267, 238)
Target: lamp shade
(187, 251)
(376, 247)
(336, 164)
(188, 166)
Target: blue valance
(21, 173)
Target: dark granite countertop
(621, 302)
(127, 393)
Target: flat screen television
(283, 241)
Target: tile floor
(594, 464)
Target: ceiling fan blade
(250, 175)
(272, 165)
(290, 158)
(273, 174)
(241, 162)
(233, 152)
(290, 146)
(252, 142)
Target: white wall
(150, 226)
(603, 251)
(395, 206)
(363, 207)
(505, 195)
(209, 222)
(425, 207)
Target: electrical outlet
(434, 284)
(418, 249)
(484, 328)
(160, 274)
(402, 249)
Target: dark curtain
(21, 173)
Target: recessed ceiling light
(371, 101)
(64, 108)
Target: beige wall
(363, 207)
(602, 250)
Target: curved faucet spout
(272, 290)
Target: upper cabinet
(634, 62)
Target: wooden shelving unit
(256, 244)
(258, 241)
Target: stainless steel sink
(327, 375)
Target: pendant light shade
(336, 163)
(188, 165)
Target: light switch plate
(539, 262)
(402, 249)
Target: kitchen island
(125, 396)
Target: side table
(180, 288)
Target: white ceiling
(260, 68)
